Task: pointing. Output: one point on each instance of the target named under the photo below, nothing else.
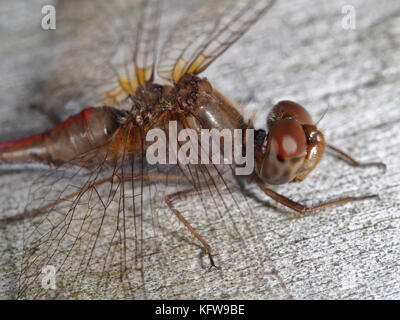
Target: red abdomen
(79, 134)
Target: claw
(212, 263)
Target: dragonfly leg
(302, 208)
(354, 162)
(169, 199)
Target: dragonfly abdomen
(79, 134)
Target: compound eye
(287, 139)
(296, 111)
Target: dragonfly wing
(207, 32)
(98, 228)
(145, 43)
(102, 52)
(107, 232)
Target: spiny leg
(354, 162)
(169, 199)
(302, 208)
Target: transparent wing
(145, 43)
(101, 229)
(202, 36)
(107, 231)
(102, 51)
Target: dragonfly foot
(212, 263)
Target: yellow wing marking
(179, 69)
(127, 87)
(121, 92)
(144, 74)
(197, 63)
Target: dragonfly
(95, 213)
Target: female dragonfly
(95, 214)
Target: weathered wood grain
(298, 51)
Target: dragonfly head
(292, 147)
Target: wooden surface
(298, 51)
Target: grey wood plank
(299, 51)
